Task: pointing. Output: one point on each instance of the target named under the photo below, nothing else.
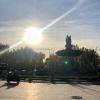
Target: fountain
(69, 51)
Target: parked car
(13, 76)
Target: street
(48, 91)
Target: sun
(33, 35)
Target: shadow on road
(9, 85)
(84, 87)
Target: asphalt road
(47, 91)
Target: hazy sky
(83, 24)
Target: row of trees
(26, 59)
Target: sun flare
(33, 35)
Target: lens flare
(37, 40)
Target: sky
(83, 23)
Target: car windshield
(49, 49)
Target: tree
(23, 58)
(88, 61)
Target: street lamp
(35, 70)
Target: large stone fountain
(69, 50)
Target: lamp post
(35, 70)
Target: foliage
(23, 58)
(28, 60)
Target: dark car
(13, 76)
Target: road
(47, 91)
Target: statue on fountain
(68, 43)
